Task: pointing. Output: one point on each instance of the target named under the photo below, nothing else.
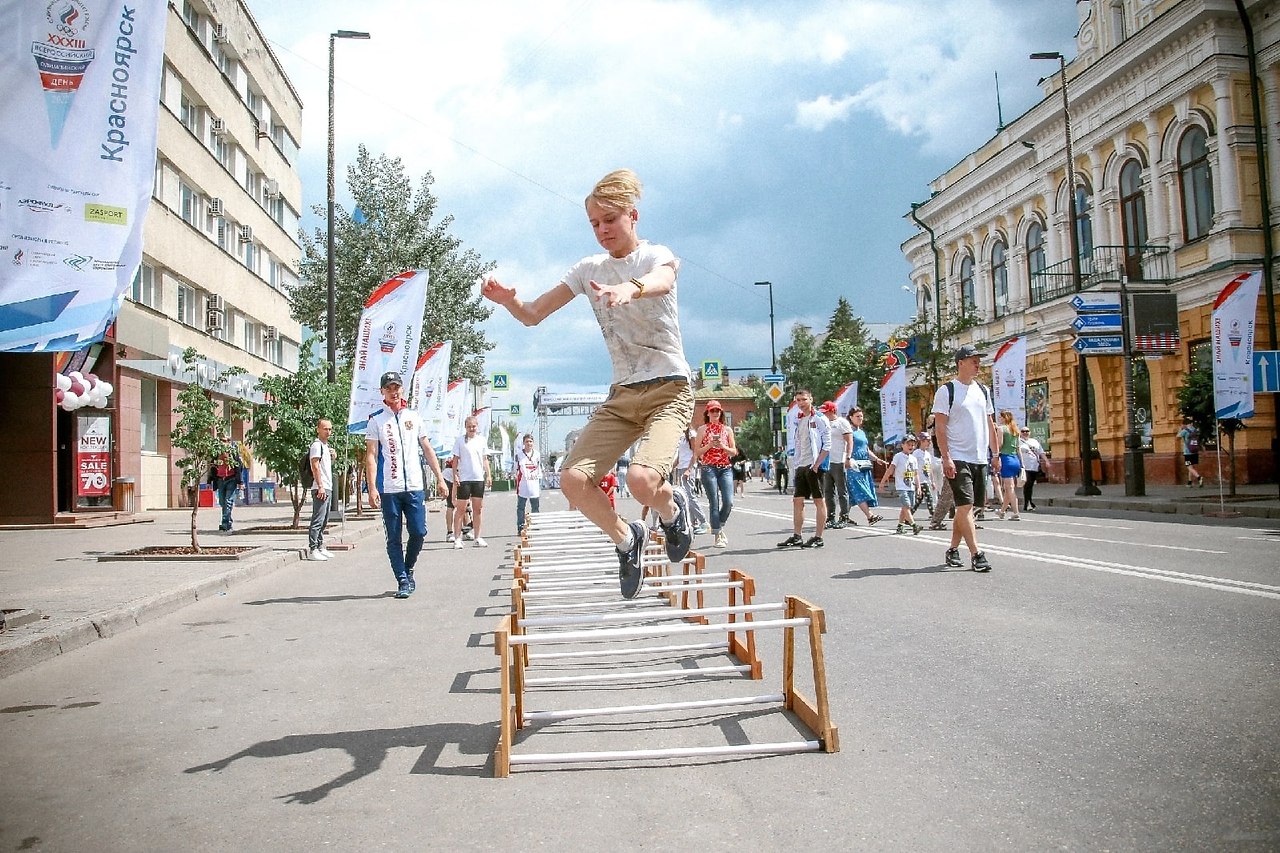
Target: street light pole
(937, 291)
(773, 354)
(330, 310)
(1087, 486)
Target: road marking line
(1053, 535)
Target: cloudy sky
(778, 141)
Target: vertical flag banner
(387, 339)
(430, 387)
(81, 84)
(457, 404)
(1009, 379)
(1234, 312)
(893, 406)
(484, 420)
(846, 399)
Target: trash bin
(122, 494)
(267, 491)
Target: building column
(1155, 192)
(1226, 179)
(1102, 230)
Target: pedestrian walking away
(928, 472)
(836, 478)
(716, 448)
(809, 449)
(1010, 464)
(1189, 435)
(904, 468)
(528, 480)
(965, 431)
(471, 476)
(859, 479)
(1035, 466)
(632, 288)
(320, 455)
(393, 438)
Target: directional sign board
(1098, 322)
(1099, 344)
(710, 371)
(1093, 302)
(1266, 371)
(501, 381)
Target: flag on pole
(893, 406)
(847, 398)
(1009, 379)
(457, 403)
(1234, 313)
(81, 83)
(484, 420)
(387, 338)
(430, 389)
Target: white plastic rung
(611, 651)
(699, 704)
(678, 752)
(605, 618)
(652, 631)
(641, 675)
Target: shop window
(149, 416)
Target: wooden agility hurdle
(813, 712)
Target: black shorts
(969, 486)
(470, 489)
(808, 483)
(1191, 458)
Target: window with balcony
(1084, 221)
(146, 289)
(1035, 250)
(1196, 180)
(999, 279)
(1133, 215)
(966, 284)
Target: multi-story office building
(1167, 198)
(220, 256)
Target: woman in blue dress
(859, 477)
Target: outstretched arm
(529, 313)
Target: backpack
(951, 393)
(305, 475)
(1193, 441)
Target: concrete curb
(116, 620)
(1240, 509)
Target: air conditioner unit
(215, 207)
(213, 302)
(220, 33)
(270, 333)
(272, 188)
(246, 233)
(217, 126)
(213, 321)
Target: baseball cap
(966, 351)
(390, 378)
(911, 438)
(827, 407)
(714, 404)
(924, 436)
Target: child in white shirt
(905, 470)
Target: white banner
(1234, 313)
(81, 84)
(430, 389)
(387, 339)
(893, 406)
(846, 399)
(457, 405)
(1009, 379)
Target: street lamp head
(908, 288)
(1047, 55)
(764, 284)
(348, 34)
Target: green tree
(1195, 401)
(284, 426)
(196, 431)
(799, 361)
(395, 232)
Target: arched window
(1035, 262)
(1197, 184)
(1133, 215)
(999, 279)
(1084, 222)
(966, 283)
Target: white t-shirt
(924, 464)
(470, 456)
(968, 419)
(643, 336)
(684, 456)
(529, 474)
(1029, 451)
(398, 434)
(839, 450)
(906, 471)
(320, 450)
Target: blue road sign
(1093, 302)
(1101, 322)
(501, 382)
(515, 410)
(1266, 371)
(1099, 344)
(774, 377)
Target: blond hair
(619, 190)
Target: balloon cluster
(76, 390)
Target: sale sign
(93, 457)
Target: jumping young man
(632, 287)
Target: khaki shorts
(657, 413)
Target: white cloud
(822, 111)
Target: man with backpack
(965, 431)
(320, 483)
(224, 476)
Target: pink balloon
(58, 395)
(77, 387)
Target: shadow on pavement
(890, 571)
(322, 599)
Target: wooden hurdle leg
(506, 729)
(518, 611)
(814, 714)
(746, 653)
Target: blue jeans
(226, 490)
(402, 510)
(319, 517)
(718, 484)
(520, 502)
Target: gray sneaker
(630, 572)
(677, 534)
(980, 563)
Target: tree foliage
(395, 232)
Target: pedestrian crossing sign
(501, 381)
(710, 371)
(515, 410)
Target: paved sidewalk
(1255, 501)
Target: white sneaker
(457, 544)
(448, 537)
(722, 541)
(316, 556)
(328, 555)
(480, 543)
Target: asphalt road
(1111, 685)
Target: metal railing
(1101, 265)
